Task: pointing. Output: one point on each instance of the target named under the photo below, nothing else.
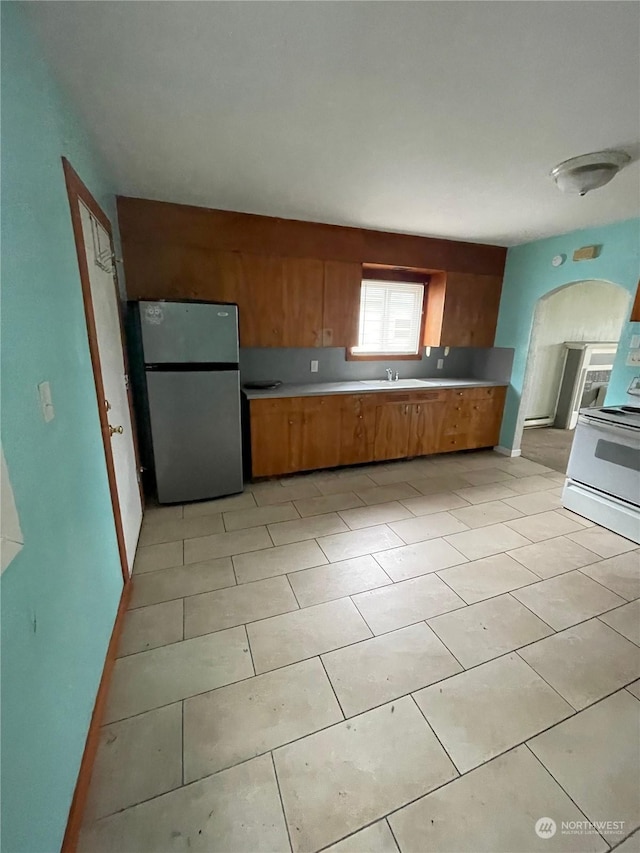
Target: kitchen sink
(397, 383)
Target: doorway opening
(574, 336)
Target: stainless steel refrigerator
(190, 352)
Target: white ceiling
(437, 118)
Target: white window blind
(390, 317)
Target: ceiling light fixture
(589, 171)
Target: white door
(106, 313)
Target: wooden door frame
(78, 192)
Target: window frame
(402, 276)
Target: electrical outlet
(440, 364)
(314, 366)
(633, 358)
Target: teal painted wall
(60, 594)
(529, 275)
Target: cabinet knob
(290, 423)
(360, 416)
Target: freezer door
(195, 428)
(189, 332)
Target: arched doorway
(584, 310)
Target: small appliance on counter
(262, 385)
(190, 352)
(603, 476)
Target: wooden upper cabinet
(462, 310)
(301, 306)
(341, 306)
(635, 311)
(279, 300)
(260, 298)
(179, 272)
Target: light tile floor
(420, 656)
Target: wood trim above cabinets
(157, 223)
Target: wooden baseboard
(79, 800)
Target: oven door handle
(606, 426)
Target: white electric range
(603, 476)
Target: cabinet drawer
(484, 393)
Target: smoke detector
(581, 174)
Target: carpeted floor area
(548, 446)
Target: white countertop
(365, 386)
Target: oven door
(606, 456)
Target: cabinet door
(393, 425)
(341, 306)
(427, 428)
(301, 306)
(260, 297)
(470, 310)
(276, 437)
(357, 430)
(280, 301)
(320, 446)
(485, 419)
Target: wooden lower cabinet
(294, 434)
(357, 429)
(306, 433)
(392, 431)
(427, 426)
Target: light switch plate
(46, 403)
(314, 366)
(440, 364)
(635, 342)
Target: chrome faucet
(390, 375)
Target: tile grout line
(438, 637)
(253, 666)
(293, 592)
(605, 587)
(374, 589)
(365, 639)
(355, 832)
(619, 633)
(361, 713)
(559, 784)
(574, 710)
(533, 613)
(393, 835)
(435, 734)
(182, 744)
(322, 663)
(284, 814)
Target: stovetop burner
(628, 416)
